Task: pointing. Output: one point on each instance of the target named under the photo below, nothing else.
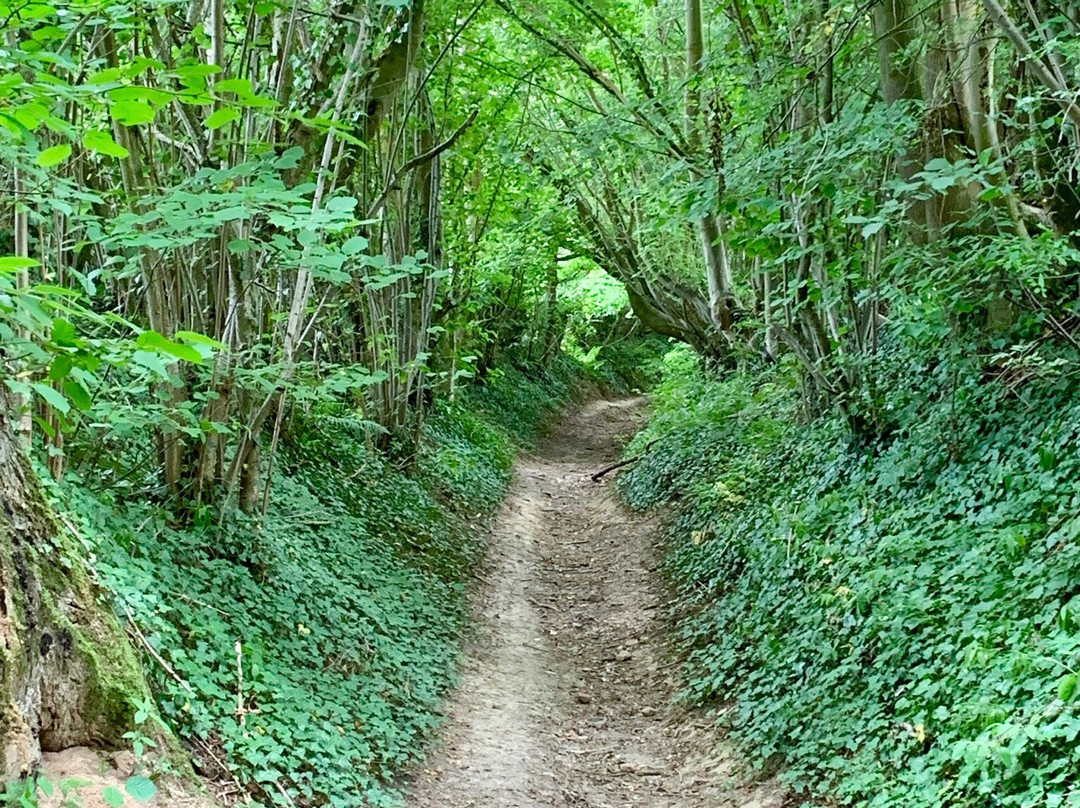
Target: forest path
(566, 694)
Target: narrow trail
(566, 693)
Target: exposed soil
(566, 698)
(81, 776)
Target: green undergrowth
(630, 364)
(519, 403)
(891, 623)
(347, 598)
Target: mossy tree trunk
(68, 676)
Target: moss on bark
(68, 673)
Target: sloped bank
(894, 624)
(302, 656)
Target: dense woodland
(284, 285)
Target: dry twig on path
(597, 477)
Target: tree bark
(68, 676)
(22, 250)
(710, 228)
(895, 29)
(1046, 74)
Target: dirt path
(565, 701)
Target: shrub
(897, 623)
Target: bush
(631, 363)
(897, 623)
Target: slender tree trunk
(718, 272)
(1047, 73)
(895, 29)
(710, 228)
(552, 333)
(767, 311)
(157, 273)
(972, 70)
(22, 250)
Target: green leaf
(221, 117)
(78, 395)
(151, 360)
(31, 115)
(153, 341)
(52, 396)
(195, 74)
(342, 204)
(113, 796)
(872, 228)
(1047, 458)
(290, 158)
(61, 366)
(137, 92)
(942, 182)
(106, 76)
(238, 86)
(354, 245)
(54, 155)
(130, 112)
(9, 263)
(232, 214)
(1067, 687)
(141, 788)
(102, 142)
(63, 332)
(18, 388)
(196, 338)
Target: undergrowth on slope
(896, 623)
(346, 598)
(632, 363)
(518, 402)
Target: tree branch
(420, 160)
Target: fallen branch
(596, 477)
(133, 630)
(241, 710)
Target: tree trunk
(895, 28)
(68, 676)
(22, 250)
(553, 331)
(710, 228)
